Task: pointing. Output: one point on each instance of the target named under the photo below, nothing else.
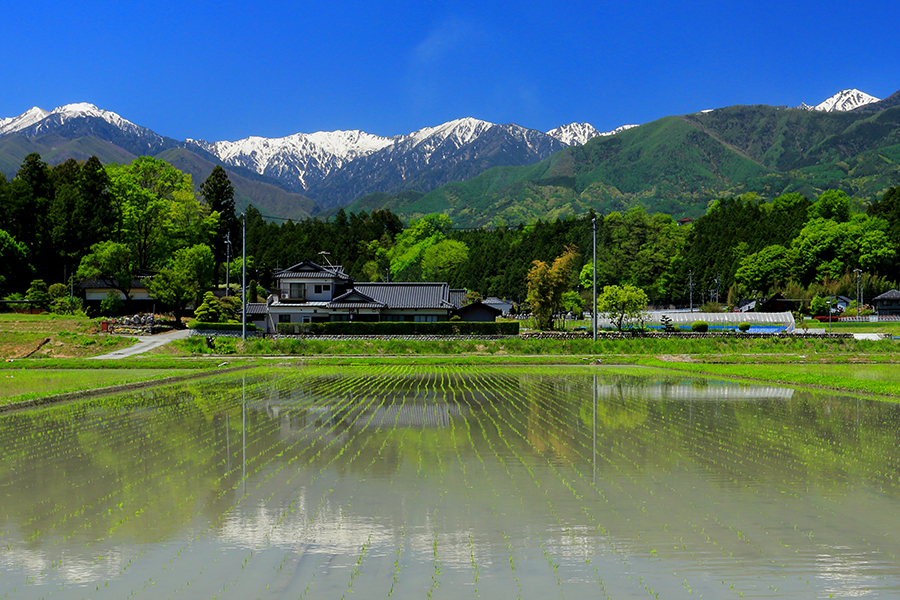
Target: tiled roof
(355, 299)
(408, 295)
(889, 295)
(309, 269)
(457, 297)
(256, 308)
(139, 282)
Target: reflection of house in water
(689, 391)
(302, 413)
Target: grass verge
(877, 379)
(26, 384)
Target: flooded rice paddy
(452, 483)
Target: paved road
(146, 343)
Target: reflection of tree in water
(546, 430)
(621, 403)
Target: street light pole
(858, 290)
(594, 308)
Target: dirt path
(146, 343)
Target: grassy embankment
(714, 349)
(879, 379)
(785, 360)
(54, 336)
(56, 348)
(26, 384)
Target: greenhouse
(759, 322)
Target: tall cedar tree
(218, 193)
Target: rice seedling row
(740, 464)
(566, 529)
(496, 497)
(197, 512)
(633, 453)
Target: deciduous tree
(548, 283)
(623, 305)
(185, 279)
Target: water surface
(452, 483)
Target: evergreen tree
(218, 193)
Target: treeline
(743, 247)
(83, 220)
(88, 219)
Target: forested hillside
(678, 164)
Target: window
(298, 291)
(317, 289)
(326, 287)
(284, 318)
(426, 318)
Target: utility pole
(691, 286)
(244, 276)
(594, 308)
(227, 263)
(858, 291)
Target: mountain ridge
(478, 171)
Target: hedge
(195, 324)
(399, 328)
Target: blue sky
(226, 70)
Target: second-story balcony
(295, 293)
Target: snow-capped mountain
(336, 167)
(37, 120)
(842, 101)
(302, 158)
(26, 119)
(576, 134)
(426, 159)
(83, 119)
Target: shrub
(67, 306)
(700, 326)
(744, 326)
(58, 290)
(112, 304)
(215, 310)
(39, 293)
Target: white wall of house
(312, 291)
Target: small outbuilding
(478, 312)
(887, 304)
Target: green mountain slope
(679, 164)
(269, 198)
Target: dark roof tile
(408, 295)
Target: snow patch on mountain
(575, 134)
(26, 119)
(459, 132)
(37, 120)
(842, 101)
(301, 155)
